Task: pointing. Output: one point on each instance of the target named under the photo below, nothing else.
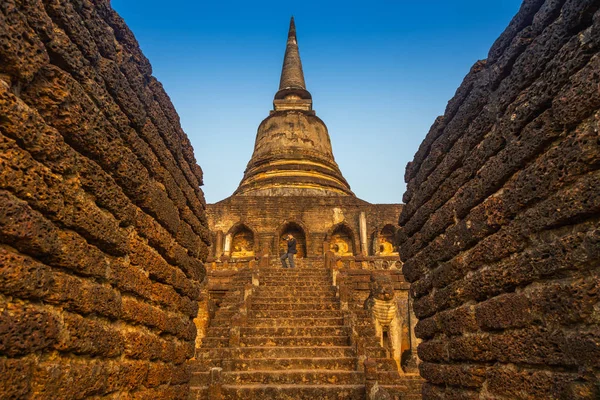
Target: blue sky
(379, 72)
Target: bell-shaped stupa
(292, 153)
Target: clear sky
(379, 72)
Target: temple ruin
(118, 281)
(314, 315)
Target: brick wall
(266, 215)
(500, 231)
(102, 225)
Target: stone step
(216, 331)
(228, 307)
(244, 353)
(408, 387)
(289, 291)
(288, 317)
(299, 284)
(373, 348)
(291, 392)
(364, 321)
(294, 306)
(198, 393)
(291, 280)
(292, 273)
(233, 292)
(401, 392)
(214, 342)
(300, 287)
(295, 314)
(279, 268)
(366, 331)
(388, 377)
(220, 323)
(295, 331)
(227, 310)
(323, 287)
(293, 298)
(291, 322)
(294, 341)
(295, 284)
(376, 352)
(319, 273)
(307, 376)
(386, 364)
(295, 291)
(282, 364)
(395, 378)
(311, 361)
(402, 395)
(293, 276)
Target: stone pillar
(375, 244)
(219, 244)
(227, 249)
(364, 246)
(265, 243)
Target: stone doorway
(292, 228)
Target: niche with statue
(341, 241)
(242, 242)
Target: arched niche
(242, 241)
(385, 241)
(341, 240)
(298, 232)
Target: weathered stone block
(102, 225)
(504, 311)
(17, 374)
(26, 329)
(502, 213)
(91, 337)
(454, 375)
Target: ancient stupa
(292, 154)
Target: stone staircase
(288, 339)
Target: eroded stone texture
(500, 229)
(102, 224)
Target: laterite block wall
(102, 224)
(501, 227)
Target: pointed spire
(299, 162)
(292, 31)
(292, 77)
